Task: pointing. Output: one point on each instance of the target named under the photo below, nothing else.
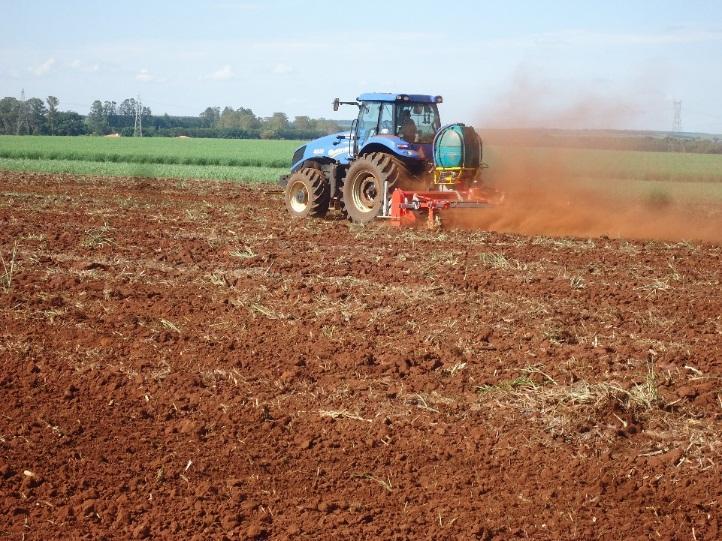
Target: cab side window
(386, 121)
(368, 121)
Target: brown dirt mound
(180, 360)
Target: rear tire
(307, 193)
(363, 188)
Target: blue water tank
(457, 145)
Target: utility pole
(138, 126)
(23, 115)
(677, 123)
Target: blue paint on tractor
(390, 97)
(341, 148)
(338, 149)
(330, 148)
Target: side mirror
(336, 104)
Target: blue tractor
(394, 162)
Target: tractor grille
(298, 155)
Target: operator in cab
(407, 126)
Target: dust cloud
(546, 198)
(544, 193)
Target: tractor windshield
(417, 122)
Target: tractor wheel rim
(365, 193)
(299, 197)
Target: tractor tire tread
(321, 192)
(318, 189)
(386, 169)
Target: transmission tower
(138, 126)
(23, 121)
(677, 123)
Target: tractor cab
(400, 122)
(413, 119)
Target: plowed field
(181, 361)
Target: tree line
(37, 117)
(229, 122)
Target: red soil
(181, 361)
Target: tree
(9, 110)
(302, 123)
(69, 123)
(127, 107)
(278, 122)
(228, 119)
(110, 108)
(274, 126)
(211, 116)
(326, 126)
(53, 103)
(247, 120)
(97, 121)
(37, 119)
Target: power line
(138, 125)
(23, 115)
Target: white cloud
(82, 66)
(224, 73)
(145, 76)
(282, 69)
(43, 68)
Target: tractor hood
(336, 147)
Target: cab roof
(387, 96)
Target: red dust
(544, 197)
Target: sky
(555, 64)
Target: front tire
(363, 188)
(307, 193)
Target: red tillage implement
(407, 207)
